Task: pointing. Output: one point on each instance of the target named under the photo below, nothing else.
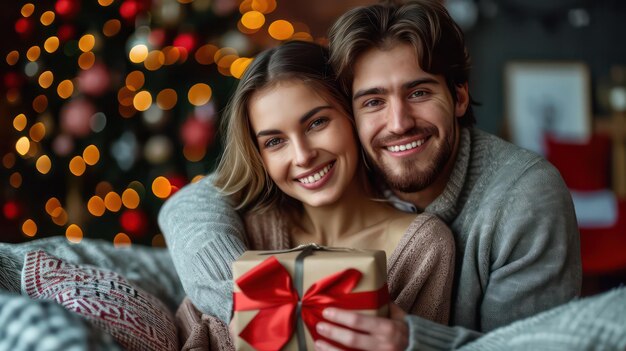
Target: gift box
(279, 296)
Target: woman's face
(307, 143)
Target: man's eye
(273, 142)
(372, 103)
(418, 93)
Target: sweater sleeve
(204, 234)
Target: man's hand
(374, 333)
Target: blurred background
(107, 107)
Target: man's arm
(204, 235)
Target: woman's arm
(204, 235)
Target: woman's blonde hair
(240, 172)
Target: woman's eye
(318, 123)
(273, 142)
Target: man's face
(406, 118)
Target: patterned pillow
(136, 319)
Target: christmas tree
(109, 106)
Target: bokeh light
(65, 89)
(135, 80)
(121, 240)
(280, 30)
(77, 166)
(199, 94)
(239, 66)
(112, 201)
(52, 204)
(138, 53)
(47, 18)
(22, 145)
(43, 164)
(91, 155)
(74, 234)
(197, 178)
(111, 27)
(158, 240)
(130, 198)
(33, 53)
(142, 100)
(19, 122)
(103, 188)
(95, 206)
(37, 132)
(253, 20)
(8, 160)
(15, 180)
(27, 10)
(86, 42)
(264, 6)
(29, 228)
(205, 54)
(46, 79)
(51, 44)
(13, 57)
(161, 187)
(59, 216)
(154, 60)
(105, 2)
(86, 60)
(40, 103)
(166, 99)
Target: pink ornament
(197, 133)
(94, 81)
(76, 117)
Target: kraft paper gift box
(279, 295)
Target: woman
(292, 166)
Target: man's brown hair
(424, 24)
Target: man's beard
(411, 177)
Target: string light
(77, 166)
(19, 122)
(51, 44)
(113, 202)
(142, 100)
(65, 89)
(43, 164)
(280, 30)
(130, 198)
(46, 79)
(253, 19)
(161, 187)
(27, 10)
(199, 94)
(111, 27)
(29, 228)
(121, 240)
(166, 99)
(52, 204)
(91, 155)
(96, 206)
(74, 234)
(13, 57)
(37, 132)
(33, 53)
(22, 145)
(15, 180)
(47, 18)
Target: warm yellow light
(161, 187)
(154, 61)
(280, 30)
(199, 94)
(52, 204)
(126, 111)
(47, 18)
(112, 201)
(51, 44)
(37, 132)
(19, 122)
(95, 205)
(86, 42)
(59, 216)
(238, 67)
(130, 198)
(74, 234)
(125, 96)
(43, 164)
(33, 53)
(29, 228)
(197, 178)
(86, 60)
(105, 3)
(204, 55)
(253, 20)
(302, 36)
(245, 6)
(172, 54)
(111, 27)
(40, 103)
(91, 155)
(13, 95)
(142, 101)
(103, 188)
(121, 240)
(13, 57)
(65, 89)
(8, 160)
(15, 180)
(194, 154)
(22, 145)
(135, 80)
(46, 79)
(27, 10)
(77, 166)
(166, 99)
(219, 54)
(264, 6)
(138, 53)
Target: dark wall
(522, 33)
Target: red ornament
(67, 8)
(197, 133)
(11, 210)
(66, 32)
(134, 222)
(24, 27)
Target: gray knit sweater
(511, 215)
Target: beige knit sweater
(419, 273)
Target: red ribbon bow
(268, 287)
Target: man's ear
(462, 99)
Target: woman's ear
(462, 99)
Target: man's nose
(304, 153)
(399, 121)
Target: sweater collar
(444, 206)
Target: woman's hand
(373, 333)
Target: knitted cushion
(135, 318)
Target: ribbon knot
(268, 287)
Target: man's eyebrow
(371, 91)
(414, 83)
(303, 120)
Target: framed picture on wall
(547, 98)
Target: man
(406, 70)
